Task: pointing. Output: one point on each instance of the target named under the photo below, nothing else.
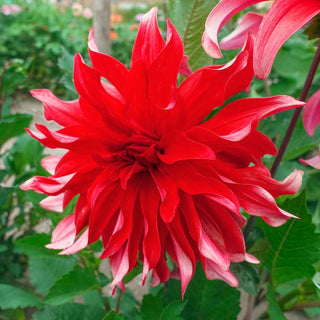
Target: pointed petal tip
(251, 259)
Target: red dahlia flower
(282, 19)
(153, 179)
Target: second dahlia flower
(283, 19)
(153, 179)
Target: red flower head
(151, 176)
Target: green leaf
(45, 271)
(6, 108)
(247, 276)
(77, 282)
(4, 193)
(151, 307)
(294, 246)
(68, 311)
(207, 299)
(274, 310)
(13, 297)
(34, 246)
(13, 125)
(113, 316)
(189, 17)
(300, 142)
(173, 310)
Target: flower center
(142, 149)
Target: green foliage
(206, 299)
(295, 246)
(77, 282)
(274, 310)
(69, 311)
(113, 316)
(31, 44)
(13, 297)
(189, 17)
(247, 275)
(13, 125)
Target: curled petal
(51, 186)
(221, 13)
(65, 113)
(280, 22)
(311, 114)
(249, 24)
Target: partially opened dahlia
(153, 179)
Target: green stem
(119, 301)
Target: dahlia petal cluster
(154, 180)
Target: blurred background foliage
(37, 45)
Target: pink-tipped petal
(249, 24)
(78, 245)
(313, 162)
(53, 203)
(64, 234)
(149, 41)
(50, 163)
(221, 13)
(280, 22)
(311, 114)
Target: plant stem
(295, 117)
(292, 125)
(119, 301)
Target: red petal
(149, 41)
(127, 202)
(283, 19)
(163, 72)
(65, 113)
(258, 202)
(104, 202)
(178, 147)
(249, 109)
(183, 252)
(149, 202)
(169, 195)
(192, 182)
(208, 87)
(107, 66)
(88, 84)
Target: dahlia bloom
(283, 19)
(153, 179)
